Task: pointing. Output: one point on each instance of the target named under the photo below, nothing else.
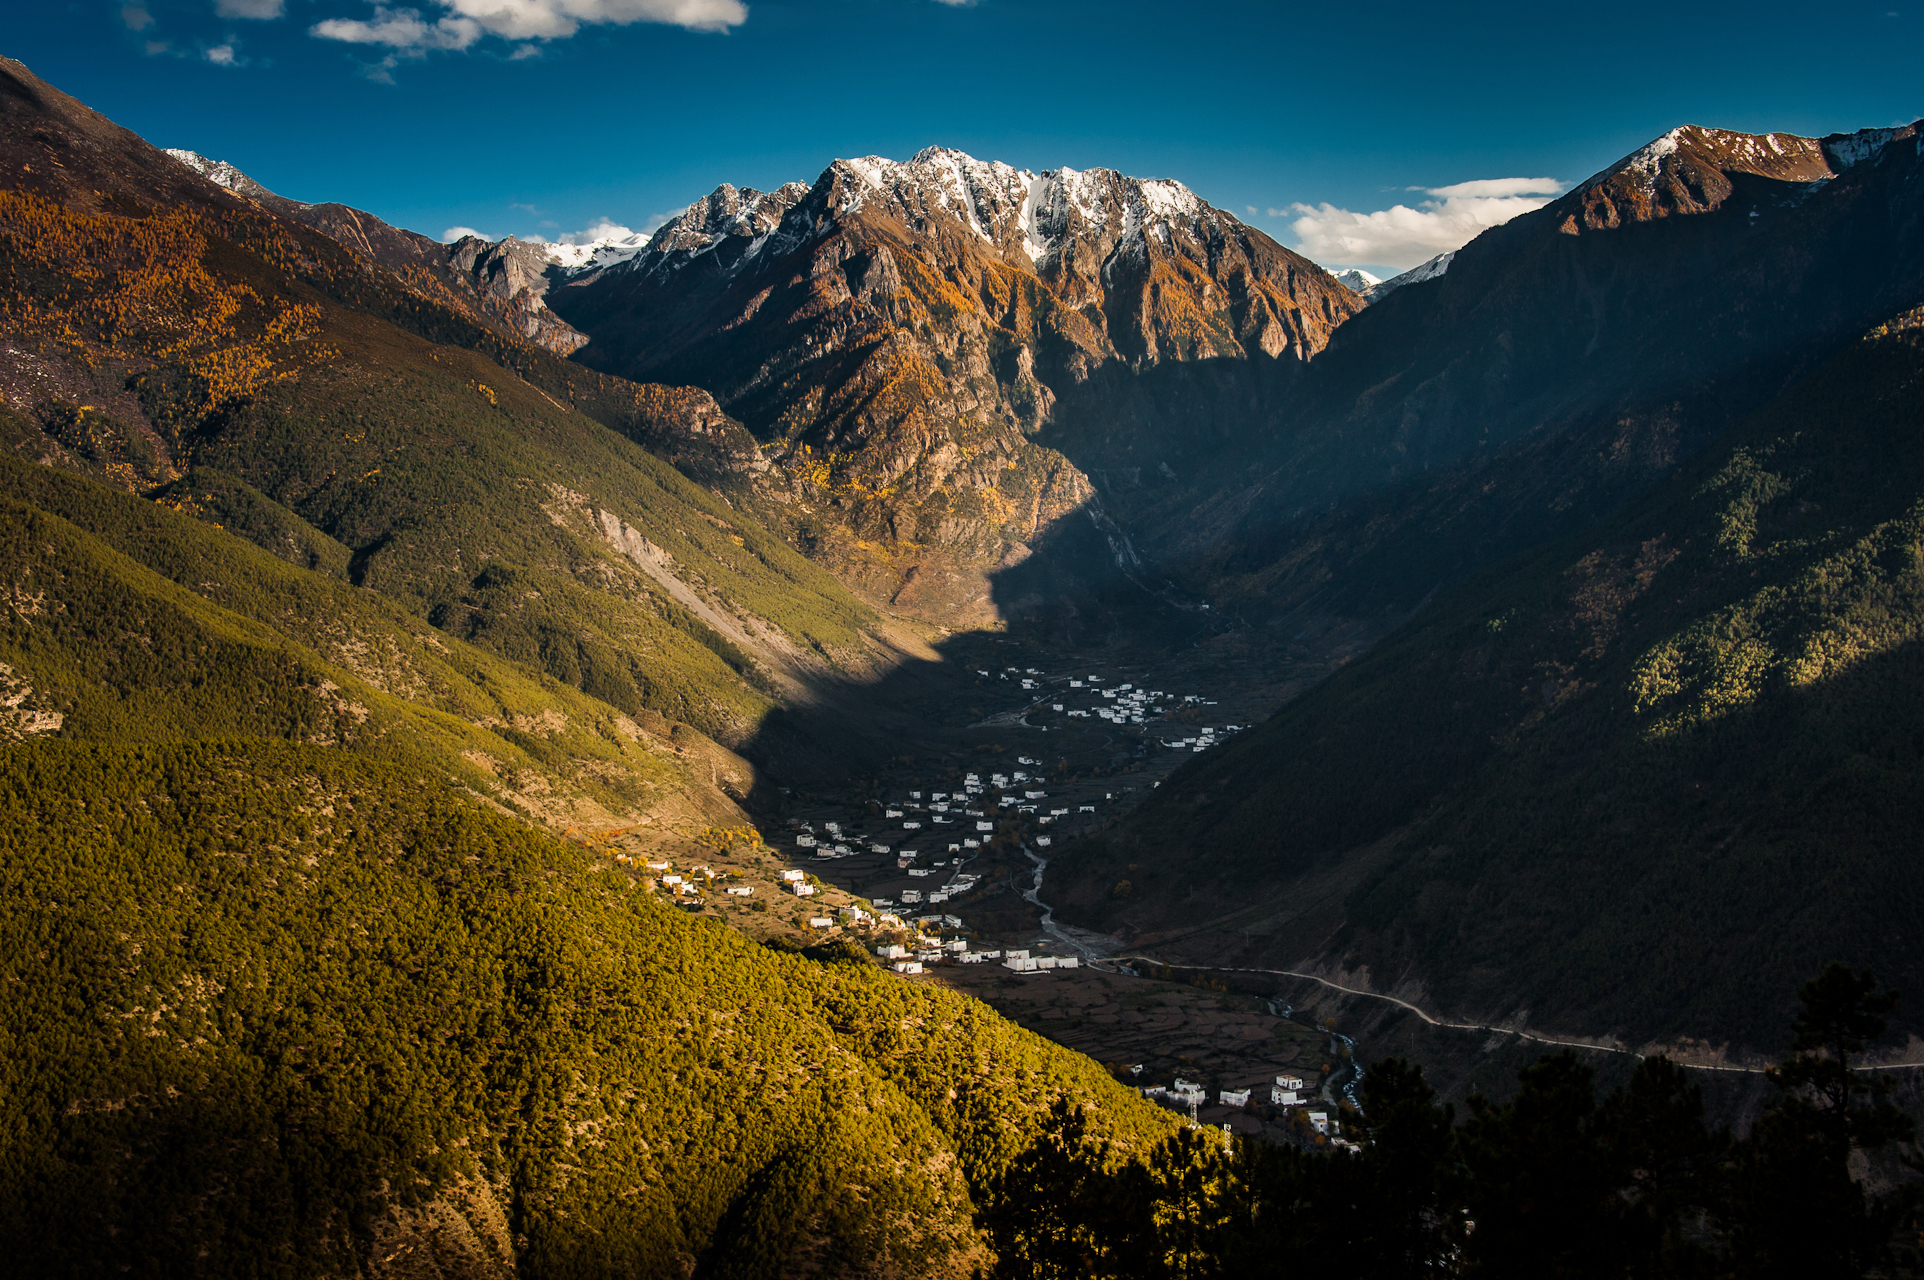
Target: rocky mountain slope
(901, 338)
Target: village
(935, 869)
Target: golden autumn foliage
(140, 286)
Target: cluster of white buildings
(1187, 1095)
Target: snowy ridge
(1780, 155)
(1005, 207)
(1853, 149)
(1415, 275)
(1357, 280)
(598, 254)
(1008, 206)
(219, 172)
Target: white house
(907, 966)
(1280, 1097)
(1043, 841)
(911, 895)
(740, 890)
(1019, 964)
(973, 957)
(914, 825)
(1319, 1121)
(1045, 962)
(893, 951)
(803, 890)
(1290, 1082)
(1017, 955)
(819, 922)
(671, 879)
(793, 874)
(893, 813)
(1233, 1097)
(985, 826)
(1068, 962)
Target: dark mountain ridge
(1565, 361)
(1627, 785)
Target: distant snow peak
(218, 172)
(1849, 150)
(1430, 270)
(1357, 280)
(602, 245)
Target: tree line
(1555, 1182)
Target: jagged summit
(1692, 169)
(219, 172)
(1357, 280)
(939, 189)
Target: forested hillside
(1635, 782)
(282, 1009)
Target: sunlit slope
(1638, 781)
(129, 622)
(280, 1007)
(162, 327)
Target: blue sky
(542, 117)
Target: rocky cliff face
(511, 278)
(906, 339)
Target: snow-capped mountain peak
(218, 172)
(602, 251)
(1415, 275)
(1357, 280)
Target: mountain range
(347, 572)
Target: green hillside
(1638, 781)
(134, 623)
(283, 1010)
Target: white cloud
(1401, 236)
(222, 55)
(250, 8)
(604, 229)
(400, 29)
(457, 233)
(136, 17)
(466, 21)
(958, 4)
